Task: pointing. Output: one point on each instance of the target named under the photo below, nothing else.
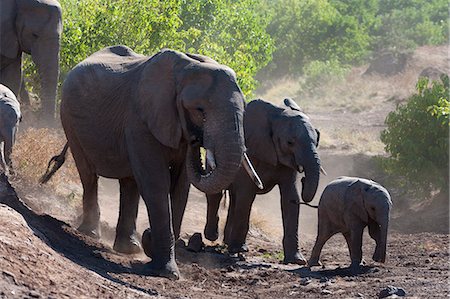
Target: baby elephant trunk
(380, 250)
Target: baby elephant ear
(291, 104)
(354, 196)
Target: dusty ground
(41, 255)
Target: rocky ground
(43, 256)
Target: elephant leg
(150, 167)
(127, 240)
(375, 234)
(356, 233)
(11, 73)
(241, 219)
(324, 232)
(89, 180)
(229, 221)
(178, 195)
(348, 240)
(290, 210)
(8, 145)
(211, 231)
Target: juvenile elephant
(9, 121)
(281, 144)
(142, 120)
(348, 205)
(33, 27)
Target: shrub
(417, 137)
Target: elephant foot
(237, 248)
(356, 267)
(314, 262)
(211, 234)
(147, 242)
(92, 231)
(195, 243)
(127, 245)
(379, 258)
(297, 258)
(168, 270)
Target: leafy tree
(231, 32)
(417, 137)
(319, 30)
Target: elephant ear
(156, 97)
(202, 58)
(9, 44)
(318, 137)
(258, 131)
(354, 199)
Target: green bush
(417, 138)
(230, 32)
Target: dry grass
(32, 152)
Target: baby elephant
(9, 119)
(348, 205)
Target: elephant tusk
(300, 168)
(251, 172)
(323, 171)
(210, 161)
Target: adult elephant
(33, 27)
(281, 143)
(143, 121)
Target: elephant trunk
(46, 57)
(223, 140)
(381, 248)
(312, 173)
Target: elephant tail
(54, 164)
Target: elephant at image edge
(281, 143)
(143, 120)
(33, 27)
(10, 117)
(348, 205)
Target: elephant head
(198, 101)
(371, 203)
(284, 135)
(34, 27)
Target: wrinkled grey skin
(280, 141)
(347, 206)
(142, 120)
(33, 27)
(9, 122)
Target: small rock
(326, 292)
(195, 243)
(305, 281)
(324, 279)
(427, 261)
(433, 254)
(359, 295)
(34, 294)
(391, 290)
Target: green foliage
(417, 137)
(231, 32)
(322, 30)
(317, 73)
(405, 24)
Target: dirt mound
(44, 257)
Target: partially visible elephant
(282, 143)
(33, 27)
(10, 117)
(143, 120)
(348, 205)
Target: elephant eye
(290, 143)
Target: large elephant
(10, 117)
(143, 121)
(348, 205)
(33, 27)
(281, 144)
